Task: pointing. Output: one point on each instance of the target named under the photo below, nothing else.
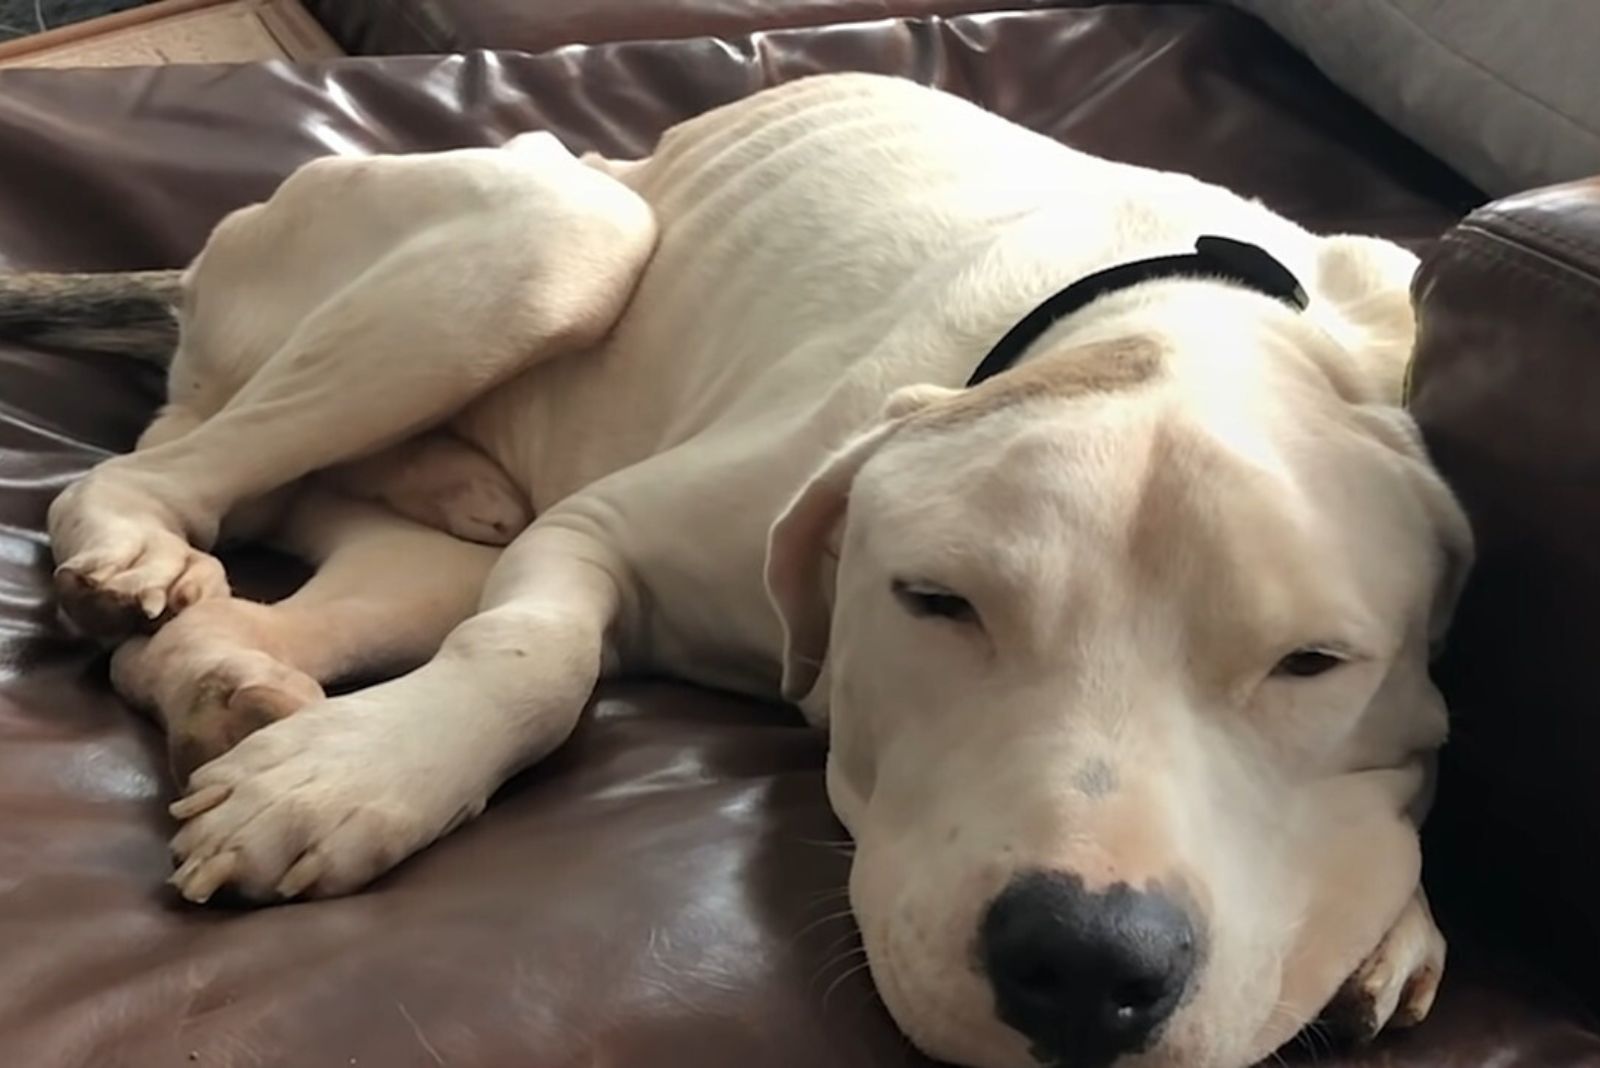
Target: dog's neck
(1215, 259)
(1215, 329)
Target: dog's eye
(1307, 663)
(924, 599)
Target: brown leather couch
(395, 27)
(664, 891)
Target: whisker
(834, 962)
(859, 968)
(1311, 1036)
(854, 932)
(841, 893)
(821, 921)
(1314, 1039)
(843, 847)
(831, 917)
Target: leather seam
(1490, 221)
(1506, 251)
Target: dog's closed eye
(930, 600)
(1307, 663)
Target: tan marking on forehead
(1220, 537)
(1188, 550)
(1100, 367)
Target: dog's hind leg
(505, 258)
(385, 593)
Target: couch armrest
(1506, 387)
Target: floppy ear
(798, 542)
(1363, 286)
(1395, 428)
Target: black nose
(1085, 976)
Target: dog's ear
(1394, 428)
(798, 543)
(1363, 301)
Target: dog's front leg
(1395, 986)
(323, 802)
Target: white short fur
(762, 329)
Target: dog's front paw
(1395, 986)
(318, 804)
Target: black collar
(1219, 258)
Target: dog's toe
(138, 579)
(311, 805)
(1396, 985)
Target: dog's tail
(129, 313)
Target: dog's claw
(202, 800)
(206, 877)
(301, 875)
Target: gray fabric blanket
(1506, 91)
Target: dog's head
(1124, 658)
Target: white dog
(1122, 651)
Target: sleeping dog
(1074, 499)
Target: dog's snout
(1085, 976)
